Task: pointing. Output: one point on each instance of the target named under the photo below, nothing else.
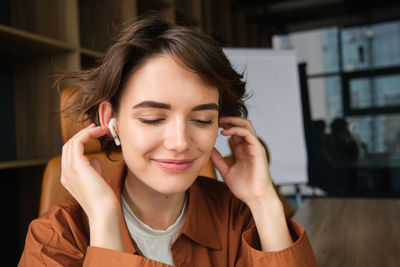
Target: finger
(85, 136)
(228, 122)
(64, 161)
(236, 140)
(92, 125)
(67, 156)
(90, 132)
(245, 133)
(67, 168)
(219, 162)
(238, 150)
(96, 164)
(249, 144)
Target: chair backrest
(52, 189)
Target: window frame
(370, 74)
(346, 77)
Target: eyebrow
(209, 106)
(153, 104)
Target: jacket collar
(199, 225)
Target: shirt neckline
(146, 231)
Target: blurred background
(349, 67)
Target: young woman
(168, 89)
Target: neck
(157, 210)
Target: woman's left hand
(249, 180)
(249, 177)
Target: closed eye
(157, 121)
(150, 121)
(209, 122)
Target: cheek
(138, 138)
(205, 140)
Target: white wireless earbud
(113, 133)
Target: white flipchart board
(274, 109)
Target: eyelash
(150, 121)
(209, 122)
(153, 122)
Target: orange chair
(209, 170)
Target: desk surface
(352, 232)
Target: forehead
(166, 79)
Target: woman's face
(167, 124)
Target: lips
(174, 165)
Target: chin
(174, 185)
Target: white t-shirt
(154, 244)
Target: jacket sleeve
(61, 239)
(47, 246)
(299, 254)
(249, 252)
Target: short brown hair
(146, 38)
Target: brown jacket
(218, 231)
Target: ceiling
(282, 16)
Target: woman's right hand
(82, 178)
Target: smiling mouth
(174, 165)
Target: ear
(105, 113)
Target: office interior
(349, 74)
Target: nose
(177, 136)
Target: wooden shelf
(14, 164)
(91, 53)
(21, 43)
(192, 10)
(99, 21)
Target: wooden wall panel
(43, 17)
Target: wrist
(270, 220)
(268, 198)
(266, 206)
(105, 231)
(103, 209)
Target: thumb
(96, 164)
